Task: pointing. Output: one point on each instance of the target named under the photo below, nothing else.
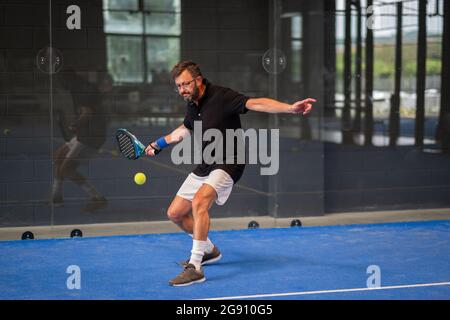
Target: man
(219, 108)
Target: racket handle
(156, 149)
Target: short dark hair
(192, 67)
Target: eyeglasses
(185, 85)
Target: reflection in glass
(142, 38)
(123, 22)
(125, 58)
(163, 23)
(120, 4)
(296, 48)
(162, 5)
(162, 55)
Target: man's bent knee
(175, 215)
(178, 209)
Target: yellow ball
(140, 178)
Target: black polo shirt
(218, 108)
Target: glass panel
(120, 4)
(123, 22)
(296, 30)
(163, 5)
(296, 66)
(26, 62)
(434, 67)
(299, 141)
(162, 55)
(125, 58)
(296, 47)
(163, 23)
(61, 101)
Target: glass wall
(72, 74)
(26, 114)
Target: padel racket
(129, 145)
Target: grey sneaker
(208, 258)
(188, 276)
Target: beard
(192, 96)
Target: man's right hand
(152, 149)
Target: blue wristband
(161, 142)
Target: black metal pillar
(330, 58)
(368, 114)
(421, 74)
(347, 132)
(358, 69)
(394, 116)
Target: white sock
(209, 244)
(197, 253)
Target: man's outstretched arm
(274, 106)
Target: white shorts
(218, 179)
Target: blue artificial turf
(261, 261)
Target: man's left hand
(304, 106)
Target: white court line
(331, 291)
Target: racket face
(129, 145)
